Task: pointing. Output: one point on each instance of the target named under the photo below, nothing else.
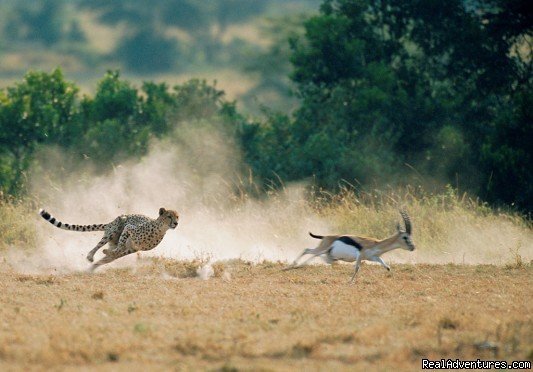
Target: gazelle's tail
(65, 226)
(316, 236)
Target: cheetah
(126, 234)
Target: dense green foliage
(390, 92)
(443, 89)
(117, 123)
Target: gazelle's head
(169, 217)
(404, 235)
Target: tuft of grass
(187, 348)
(517, 260)
(141, 328)
(62, 303)
(447, 323)
(219, 268)
(132, 307)
(43, 280)
(228, 368)
(113, 357)
(180, 269)
(98, 295)
(301, 350)
(16, 227)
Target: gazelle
(352, 248)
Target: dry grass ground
(158, 316)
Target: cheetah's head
(169, 216)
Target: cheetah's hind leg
(112, 248)
(120, 243)
(125, 246)
(107, 259)
(101, 243)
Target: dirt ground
(159, 316)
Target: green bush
(115, 124)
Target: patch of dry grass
(160, 316)
(448, 227)
(16, 228)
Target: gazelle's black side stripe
(350, 241)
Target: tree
(40, 110)
(443, 88)
(115, 124)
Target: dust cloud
(470, 239)
(197, 172)
(194, 172)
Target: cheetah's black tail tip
(47, 216)
(44, 214)
(65, 226)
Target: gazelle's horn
(407, 221)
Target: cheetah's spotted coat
(126, 234)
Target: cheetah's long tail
(65, 226)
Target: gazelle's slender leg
(304, 252)
(310, 258)
(315, 252)
(380, 260)
(357, 267)
(295, 264)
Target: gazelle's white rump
(344, 252)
